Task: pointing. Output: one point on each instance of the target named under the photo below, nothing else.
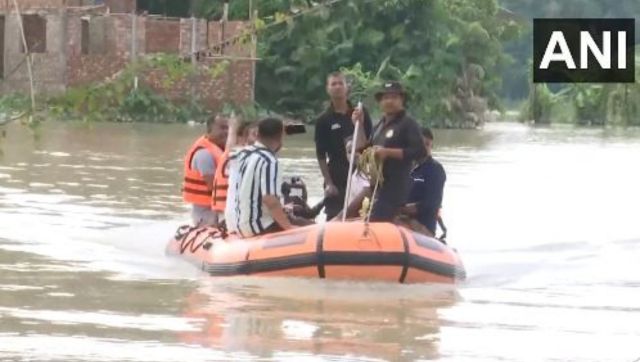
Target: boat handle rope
(182, 231)
(443, 237)
(372, 168)
(189, 243)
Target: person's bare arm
(324, 169)
(277, 212)
(330, 188)
(209, 181)
(361, 137)
(410, 209)
(383, 153)
(361, 140)
(232, 136)
(358, 119)
(205, 164)
(321, 136)
(355, 205)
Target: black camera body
(294, 128)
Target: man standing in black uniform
(333, 128)
(398, 143)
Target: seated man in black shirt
(425, 198)
(333, 128)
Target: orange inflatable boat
(350, 250)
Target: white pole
(351, 161)
(194, 31)
(29, 59)
(225, 11)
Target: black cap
(391, 87)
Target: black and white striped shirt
(253, 173)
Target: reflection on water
(266, 318)
(365, 320)
(544, 218)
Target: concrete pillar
(194, 35)
(134, 36)
(64, 45)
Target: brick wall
(116, 6)
(186, 26)
(241, 73)
(31, 4)
(79, 2)
(233, 29)
(162, 36)
(63, 64)
(235, 85)
(213, 34)
(237, 81)
(88, 68)
(121, 6)
(2, 46)
(47, 65)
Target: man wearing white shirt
(255, 178)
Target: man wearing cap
(398, 144)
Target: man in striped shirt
(255, 178)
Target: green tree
(445, 51)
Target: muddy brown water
(546, 220)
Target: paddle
(351, 161)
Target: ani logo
(584, 50)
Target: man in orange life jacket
(202, 165)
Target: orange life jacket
(220, 184)
(194, 187)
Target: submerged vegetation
(585, 104)
(122, 98)
(582, 104)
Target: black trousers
(333, 205)
(383, 211)
(388, 202)
(273, 228)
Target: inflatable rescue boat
(335, 250)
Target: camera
(294, 128)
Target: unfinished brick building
(77, 42)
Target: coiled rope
(373, 169)
(369, 166)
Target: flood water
(547, 221)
